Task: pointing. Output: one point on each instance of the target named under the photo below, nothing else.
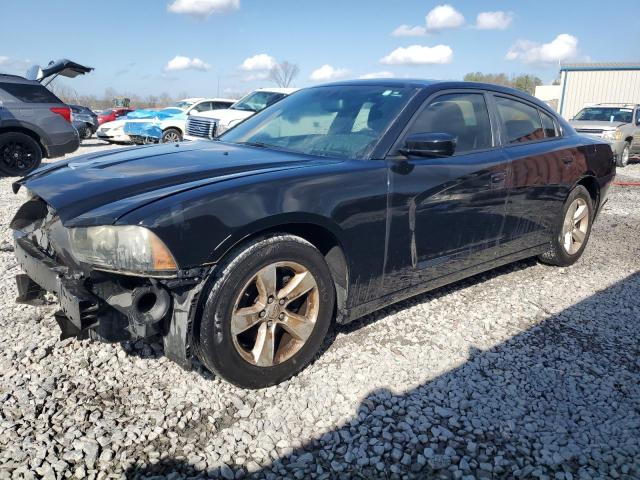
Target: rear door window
(520, 121)
(29, 93)
(549, 125)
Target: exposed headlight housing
(127, 249)
(221, 128)
(612, 134)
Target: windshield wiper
(255, 144)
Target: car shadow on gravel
(561, 400)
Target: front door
(447, 214)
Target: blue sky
(131, 43)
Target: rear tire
(19, 154)
(254, 329)
(623, 160)
(87, 133)
(572, 230)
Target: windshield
(605, 114)
(334, 121)
(183, 105)
(254, 102)
(171, 110)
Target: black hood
(104, 186)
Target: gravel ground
(528, 371)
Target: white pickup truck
(212, 123)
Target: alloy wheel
(17, 157)
(275, 313)
(625, 157)
(576, 226)
(171, 137)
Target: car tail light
(64, 112)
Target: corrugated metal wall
(584, 87)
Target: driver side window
(464, 116)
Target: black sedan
(332, 203)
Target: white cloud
(563, 47)
(409, 31)
(384, 74)
(419, 55)
(202, 8)
(443, 16)
(327, 72)
(494, 20)
(258, 62)
(180, 62)
(256, 77)
(4, 60)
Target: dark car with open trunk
(336, 201)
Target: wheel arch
(173, 127)
(26, 131)
(317, 231)
(593, 187)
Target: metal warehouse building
(589, 83)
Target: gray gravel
(525, 372)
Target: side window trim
(503, 133)
(393, 152)
(555, 124)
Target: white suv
(215, 122)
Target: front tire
(623, 159)
(572, 230)
(19, 154)
(266, 313)
(171, 135)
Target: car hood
(226, 116)
(102, 187)
(595, 125)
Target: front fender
(281, 221)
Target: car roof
(613, 105)
(287, 91)
(216, 99)
(5, 77)
(440, 85)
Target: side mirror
(429, 145)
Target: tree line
(524, 82)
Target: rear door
(544, 167)
(447, 214)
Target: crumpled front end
(101, 305)
(143, 132)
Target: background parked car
(171, 128)
(158, 126)
(618, 123)
(84, 120)
(216, 122)
(112, 114)
(34, 123)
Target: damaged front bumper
(111, 307)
